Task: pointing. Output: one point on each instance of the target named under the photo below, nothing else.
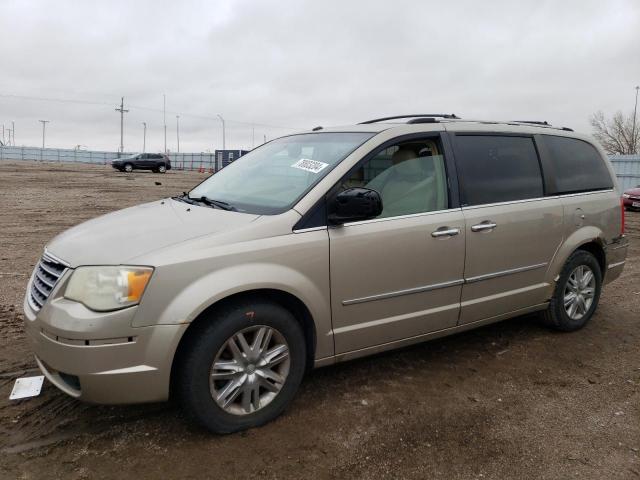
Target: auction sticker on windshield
(312, 166)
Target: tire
(161, 169)
(204, 345)
(128, 168)
(557, 316)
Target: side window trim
(548, 170)
(545, 185)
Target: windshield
(272, 178)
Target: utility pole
(224, 147)
(13, 132)
(144, 137)
(164, 116)
(44, 124)
(178, 131)
(633, 131)
(3, 140)
(122, 112)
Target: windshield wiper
(215, 203)
(210, 202)
(186, 199)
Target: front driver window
(409, 176)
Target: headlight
(108, 288)
(625, 195)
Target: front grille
(47, 273)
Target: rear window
(495, 168)
(578, 166)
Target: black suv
(155, 162)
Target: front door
(513, 230)
(401, 274)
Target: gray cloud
(285, 65)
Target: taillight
(621, 216)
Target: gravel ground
(511, 400)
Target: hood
(119, 236)
(633, 191)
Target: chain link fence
(179, 161)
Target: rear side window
(577, 165)
(494, 168)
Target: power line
(140, 107)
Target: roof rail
(416, 115)
(543, 124)
(533, 122)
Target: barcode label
(312, 166)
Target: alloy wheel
(579, 292)
(249, 370)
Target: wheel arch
(590, 239)
(596, 248)
(280, 297)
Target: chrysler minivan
(321, 247)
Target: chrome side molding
(399, 293)
(436, 286)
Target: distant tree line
(619, 135)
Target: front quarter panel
(296, 263)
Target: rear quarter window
(577, 165)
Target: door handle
(484, 226)
(445, 232)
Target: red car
(631, 198)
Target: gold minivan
(321, 247)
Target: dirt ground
(507, 401)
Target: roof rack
(534, 122)
(543, 124)
(416, 116)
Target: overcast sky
(289, 65)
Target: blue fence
(627, 168)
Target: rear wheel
(128, 167)
(577, 293)
(242, 367)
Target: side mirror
(354, 204)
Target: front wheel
(242, 367)
(128, 168)
(577, 293)
(162, 169)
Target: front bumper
(100, 357)
(628, 202)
